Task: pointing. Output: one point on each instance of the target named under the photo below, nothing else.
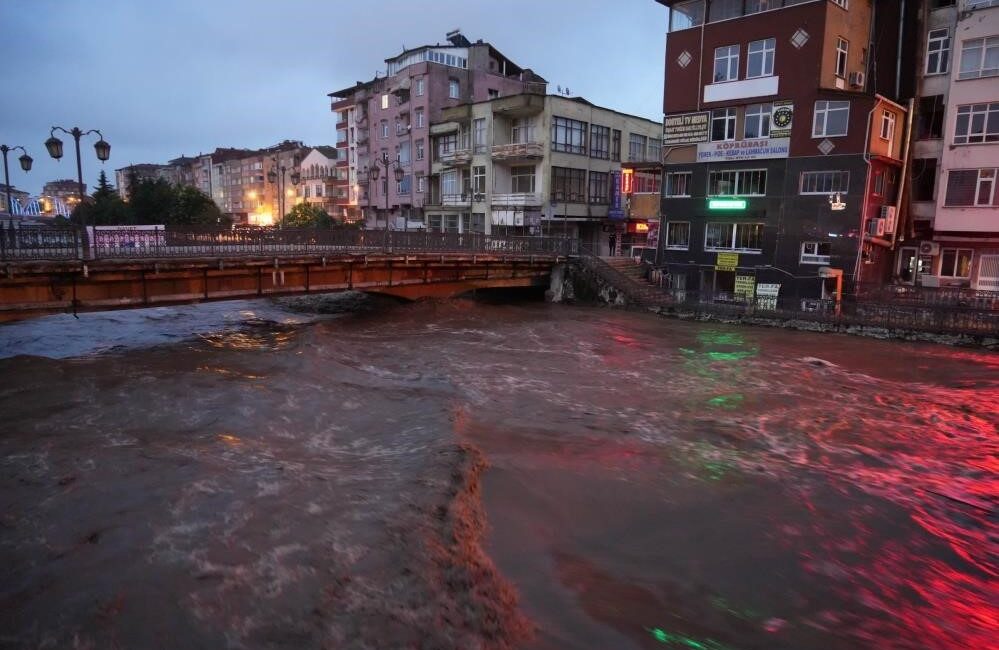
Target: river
(466, 474)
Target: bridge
(45, 270)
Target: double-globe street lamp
(25, 160)
(54, 146)
(398, 173)
(273, 177)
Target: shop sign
(781, 118)
(756, 149)
(615, 211)
(745, 285)
(727, 261)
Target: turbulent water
(468, 475)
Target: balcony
(456, 158)
(514, 199)
(524, 105)
(517, 151)
(456, 200)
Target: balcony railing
(456, 200)
(518, 151)
(517, 199)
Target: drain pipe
(906, 169)
(898, 53)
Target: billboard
(615, 211)
(781, 119)
(689, 128)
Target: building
(388, 118)
(16, 195)
(784, 143)
(954, 236)
(323, 184)
(60, 197)
(125, 176)
(242, 187)
(532, 164)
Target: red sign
(627, 181)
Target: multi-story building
(784, 141)
(16, 196)
(125, 176)
(388, 118)
(320, 185)
(238, 180)
(532, 164)
(62, 195)
(954, 238)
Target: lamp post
(374, 172)
(25, 160)
(101, 147)
(274, 178)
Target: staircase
(627, 276)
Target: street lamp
(398, 173)
(274, 178)
(25, 160)
(101, 147)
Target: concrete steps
(634, 284)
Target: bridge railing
(44, 243)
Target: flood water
(463, 475)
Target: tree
(104, 207)
(192, 206)
(150, 201)
(306, 215)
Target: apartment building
(238, 180)
(784, 142)
(954, 239)
(533, 164)
(385, 123)
(141, 172)
(320, 185)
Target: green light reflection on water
(682, 641)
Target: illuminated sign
(726, 204)
(627, 181)
(641, 227)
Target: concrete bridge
(47, 270)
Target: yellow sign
(727, 261)
(745, 285)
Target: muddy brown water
(467, 475)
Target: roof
(326, 150)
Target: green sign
(726, 204)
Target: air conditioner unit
(929, 248)
(478, 196)
(888, 214)
(857, 79)
(876, 227)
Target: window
(493, 93)
(419, 86)
(418, 114)
(568, 184)
(450, 223)
(981, 4)
(478, 222)
(421, 183)
(522, 131)
(824, 182)
(568, 135)
(678, 235)
(931, 114)
(924, 179)
(815, 252)
(746, 182)
(599, 182)
(686, 15)
(887, 125)
(757, 124)
(453, 89)
(479, 180)
(450, 183)
(955, 262)
(971, 188)
(446, 144)
(678, 184)
(403, 156)
(522, 179)
(723, 124)
(760, 58)
(646, 182)
(385, 129)
(434, 223)
(879, 183)
(636, 147)
(615, 145)
(745, 237)
(937, 51)
(599, 141)
(726, 63)
(479, 134)
(385, 101)
(723, 9)
(403, 186)
(419, 149)
(977, 123)
(842, 50)
(979, 58)
(655, 149)
(841, 3)
(831, 118)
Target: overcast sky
(165, 78)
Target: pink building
(389, 119)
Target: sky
(162, 78)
